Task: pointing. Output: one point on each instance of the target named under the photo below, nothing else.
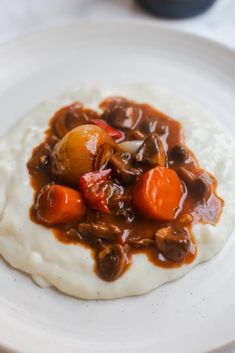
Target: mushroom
(121, 162)
(152, 152)
(70, 117)
(179, 153)
(201, 189)
(123, 114)
(172, 243)
(111, 261)
(198, 185)
(40, 160)
(151, 124)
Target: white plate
(192, 315)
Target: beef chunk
(99, 230)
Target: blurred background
(19, 17)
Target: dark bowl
(176, 8)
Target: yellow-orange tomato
(74, 154)
(158, 194)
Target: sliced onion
(131, 146)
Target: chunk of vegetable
(58, 204)
(158, 194)
(67, 118)
(179, 153)
(111, 261)
(94, 195)
(172, 243)
(121, 113)
(130, 146)
(199, 186)
(74, 155)
(121, 163)
(152, 151)
(109, 129)
(103, 156)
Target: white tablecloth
(18, 17)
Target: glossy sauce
(171, 133)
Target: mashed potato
(35, 250)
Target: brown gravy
(200, 204)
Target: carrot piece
(158, 193)
(58, 204)
(116, 134)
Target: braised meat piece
(104, 231)
(115, 194)
(119, 202)
(140, 243)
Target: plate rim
(105, 22)
(152, 25)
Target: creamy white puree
(35, 250)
